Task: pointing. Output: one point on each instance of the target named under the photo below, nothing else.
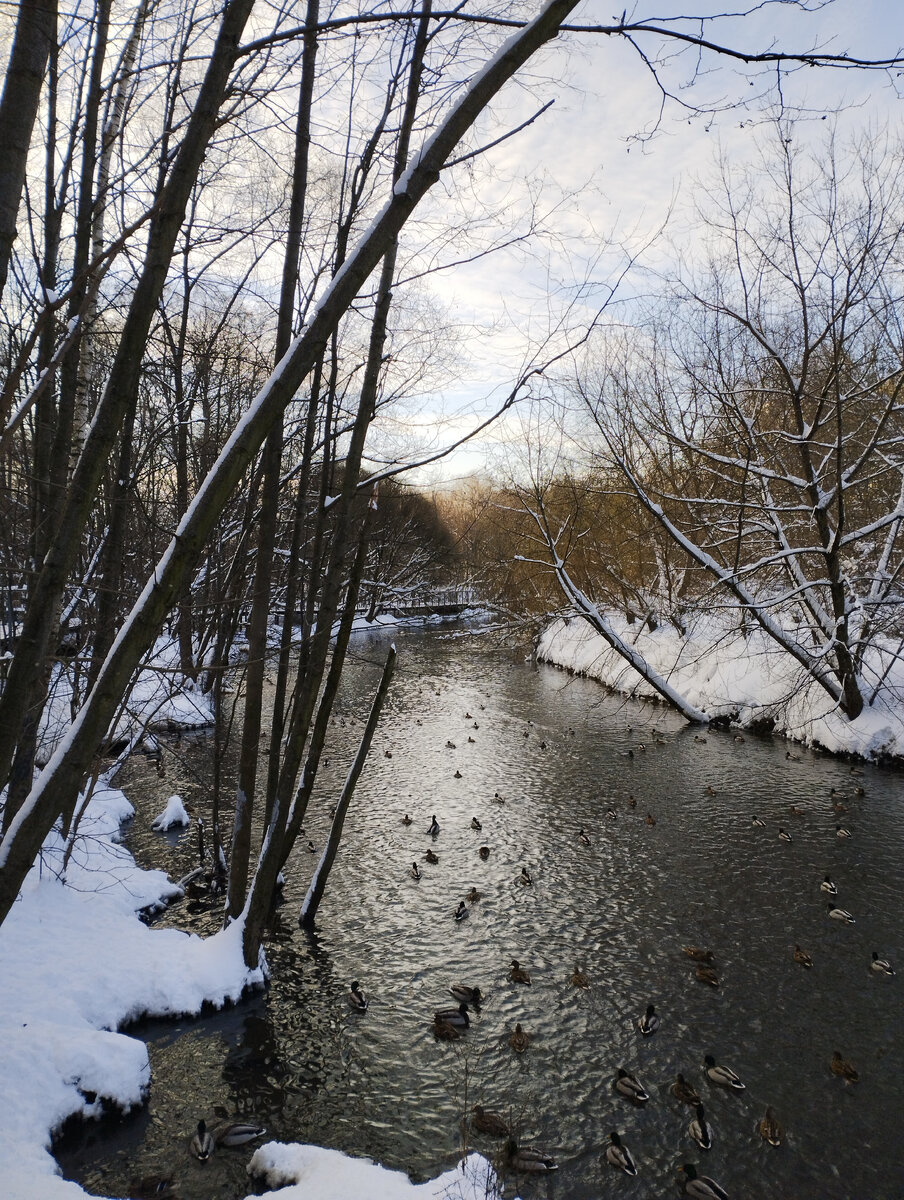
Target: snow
(174, 814)
(730, 673)
(76, 964)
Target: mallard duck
(492, 1124)
(723, 1076)
(701, 1187)
(444, 1032)
(461, 912)
(457, 775)
(473, 896)
(355, 998)
(770, 1130)
(450, 745)
(620, 1156)
(611, 814)
(497, 799)
(828, 887)
(881, 965)
(840, 1066)
(415, 871)
(839, 808)
(709, 790)
(629, 1087)
(579, 979)
(152, 1187)
(202, 1143)
(650, 820)
(583, 838)
(484, 852)
(839, 914)
(632, 803)
(701, 1130)
(238, 1133)
(859, 791)
(433, 828)
(841, 832)
(699, 738)
(785, 836)
(649, 1022)
(698, 955)
(795, 811)
(453, 1016)
(475, 824)
(707, 975)
(802, 957)
(312, 849)
(519, 1040)
(518, 974)
(431, 857)
(684, 1091)
(466, 995)
(525, 877)
(527, 1159)
(406, 820)
(758, 821)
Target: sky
(585, 157)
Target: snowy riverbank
(732, 675)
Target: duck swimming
(484, 852)
(881, 965)
(431, 857)
(583, 838)
(698, 955)
(444, 1032)
(649, 1022)
(466, 995)
(701, 1130)
(701, 1187)
(828, 887)
(650, 820)
(802, 957)
(202, 1143)
(707, 975)
(841, 1067)
(433, 829)
(785, 836)
(518, 974)
(525, 877)
(685, 1092)
(519, 1039)
(356, 999)
(722, 1075)
(629, 1087)
(620, 1156)
(239, 1133)
(839, 914)
(527, 1159)
(492, 1124)
(473, 896)
(770, 1130)
(453, 1016)
(406, 820)
(841, 832)
(415, 871)
(759, 821)
(462, 911)
(579, 979)
(475, 824)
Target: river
(465, 720)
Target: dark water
(556, 748)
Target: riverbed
(468, 721)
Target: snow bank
(313, 1173)
(733, 674)
(173, 815)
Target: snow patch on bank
(741, 676)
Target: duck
(769, 1129)
(802, 957)
(484, 852)
(202, 1143)
(611, 814)
(701, 1130)
(698, 955)
(527, 1159)
(722, 1075)
(707, 975)
(518, 974)
(461, 912)
(620, 1156)
(842, 1067)
(433, 829)
(758, 821)
(312, 849)
(466, 995)
(152, 1187)
(583, 838)
(475, 824)
(839, 808)
(579, 978)
(238, 1133)
(519, 1040)
(493, 1124)
(473, 896)
(415, 871)
(828, 886)
(355, 998)
(632, 803)
(406, 820)
(785, 836)
(859, 791)
(841, 832)
(629, 1087)
(650, 820)
(649, 1022)
(795, 811)
(701, 1187)
(709, 790)
(457, 775)
(684, 1091)
(881, 965)
(450, 745)
(497, 799)
(444, 1032)
(525, 877)
(453, 1016)
(431, 857)
(839, 914)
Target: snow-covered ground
(729, 674)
